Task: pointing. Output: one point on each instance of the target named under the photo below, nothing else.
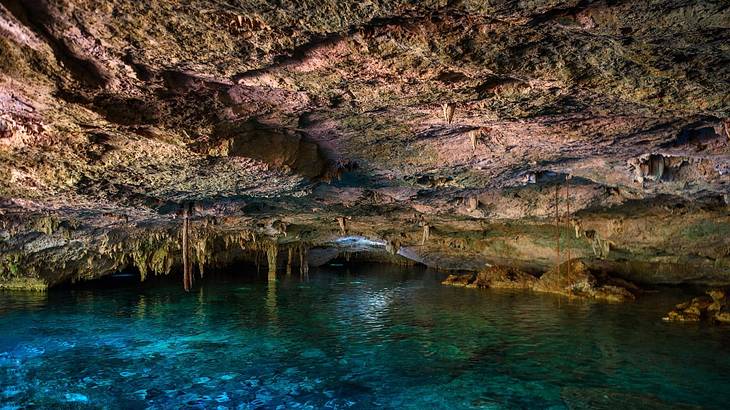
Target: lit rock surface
(278, 122)
(572, 279)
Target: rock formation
(278, 118)
(714, 307)
(572, 279)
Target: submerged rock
(578, 398)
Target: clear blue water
(375, 337)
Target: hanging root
(187, 266)
(448, 109)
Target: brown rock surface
(713, 308)
(499, 277)
(572, 279)
(115, 114)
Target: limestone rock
(459, 280)
(572, 279)
(713, 308)
(499, 277)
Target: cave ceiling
(384, 113)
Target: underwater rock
(582, 398)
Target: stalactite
(392, 246)
(473, 138)
(601, 247)
(472, 203)
(303, 263)
(426, 233)
(201, 254)
(343, 225)
(578, 228)
(289, 261)
(272, 252)
(448, 109)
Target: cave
(348, 204)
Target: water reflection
(375, 337)
(22, 300)
(271, 299)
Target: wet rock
(460, 280)
(499, 277)
(574, 279)
(713, 307)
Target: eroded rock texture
(455, 134)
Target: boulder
(499, 277)
(572, 279)
(712, 307)
(459, 280)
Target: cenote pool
(371, 337)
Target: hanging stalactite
(448, 109)
(343, 225)
(289, 261)
(272, 252)
(303, 264)
(426, 233)
(474, 138)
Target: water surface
(376, 336)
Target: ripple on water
(380, 337)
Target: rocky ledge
(713, 307)
(572, 279)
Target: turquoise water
(375, 337)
